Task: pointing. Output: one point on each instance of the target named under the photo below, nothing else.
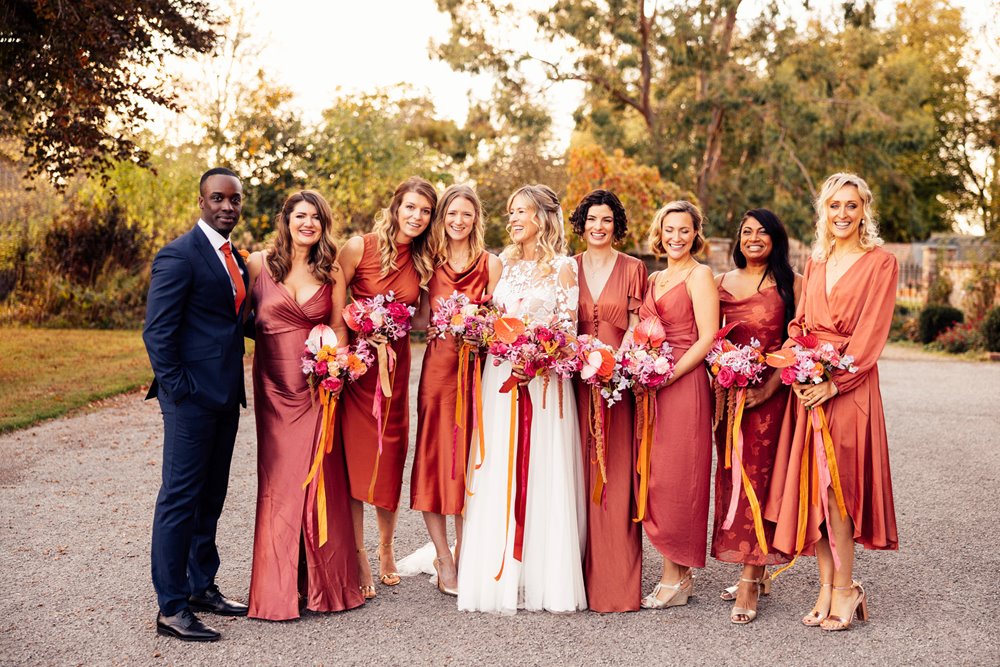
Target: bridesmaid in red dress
(611, 289)
(684, 298)
(437, 484)
(848, 296)
(296, 284)
(395, 257)
(760, 294)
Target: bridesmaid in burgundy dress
(437, 485)
(296, 284)
(611, 289)
(684, 298)
(760, 294)
(395, 257)
(848, 295)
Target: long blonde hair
(868, 237)
(439, 236)
(387, 226)
(547, 214)
(679, 206)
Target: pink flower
(397, 311)
(543, 334)
(788, 374)
(332, 384)
(367, 326)
(741, 380)
(320, 368)
(726, 377)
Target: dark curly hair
(598, 198)
(778, 265)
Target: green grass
(45, 373)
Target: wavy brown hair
(679, 206)
(387, 226)
(548, 215)
(322, 255)
(439, 235)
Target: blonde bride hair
(867, 231)
(548, 215)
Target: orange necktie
(234, 273)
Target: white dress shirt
(217, 240)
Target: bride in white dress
(538, 282)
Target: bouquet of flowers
(466, 320)
(327, 369)
(541, 350)
(598, 367)
(380, 316)
(736, 366)
(647, 362)
(810, 362)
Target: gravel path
(76, 505)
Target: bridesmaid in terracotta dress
(684, 298)
(760, 294)
(848, 296)
(437, 484)
(296, 284)
(611, 289)
(394, 256)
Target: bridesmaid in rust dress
(848, 296)
(760, 294)
(395, 257)
(684, 298)
(296, 284)
(437, 485)
(611, 289)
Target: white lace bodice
(525, 293)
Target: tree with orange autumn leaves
(641, 189)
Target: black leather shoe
(216, 603)
(185, 626)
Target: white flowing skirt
(551, 575)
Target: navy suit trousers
(197, 450)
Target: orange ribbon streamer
(740, 474)
(381, 425)
(477, 381)
(460, 425)
(645, 428)
(809, 483)
(597, 435)
(324, 445)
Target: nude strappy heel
(859, 610)
(742, 615)
(814, 618)
(729, 594)
(682, 591)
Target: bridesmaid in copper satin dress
(437, 484)
(296, 285)
(760, 294)
(395, 257)
(848, 296)
(611, 290)
(684, 298)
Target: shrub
(904, 323)
(936, 318)
(991, 330)
(959, 338)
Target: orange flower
(508, 329)
(244, 253)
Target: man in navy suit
(194, 338)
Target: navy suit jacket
(193, 334)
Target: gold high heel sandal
(742, 615)
(389, 578)
(814, 618)
(682, 591)
(367, 590)
(441, 587)
(729, 594)
(860, 610)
